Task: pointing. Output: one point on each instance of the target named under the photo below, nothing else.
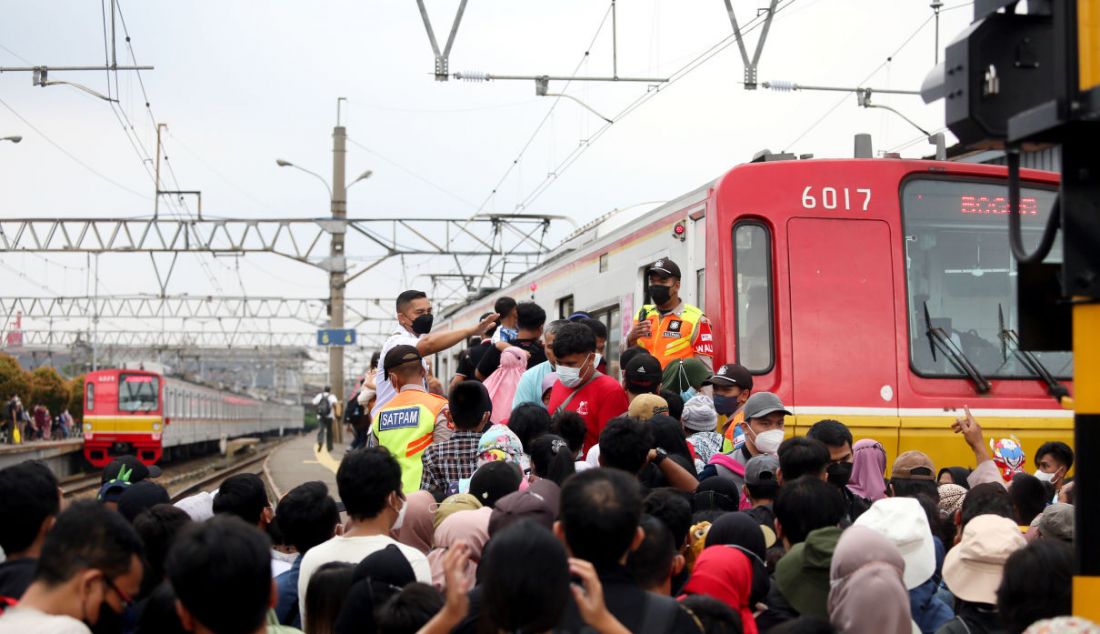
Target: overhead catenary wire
(412, 173)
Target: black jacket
(973, 618)
(15, 576)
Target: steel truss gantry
(305, 309)
(182, 339)
(489, 239)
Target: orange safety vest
(405, 426)
(676, 336)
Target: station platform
(63, 457)
(299, 461)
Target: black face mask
(839, 473)
(110, 622)
(422, 325)
(660, 294)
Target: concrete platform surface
(299, 461)
(63, 457)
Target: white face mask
(1046, 477)
(400, 516)
(768, 441)
(596, 361)
(570, 377)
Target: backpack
(324, 408)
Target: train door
(843, 326)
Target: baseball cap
(643, 372)
(763, 403)
(731, 374)
(973, 569)
(761, 469)
(912, 465)
(1056, 522)
(400, 355)
(140, 496)
(646, 406)
(579, 315)
(664, 267)
(539, 502)
(494, 480)
(904, 522)
(128, 469)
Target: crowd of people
(538, 493)
(22, 424)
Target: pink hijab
(868, 470)
(416, 531)
(867, 594)
(471, 527)
(502, 383)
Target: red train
(858, 289)
(149, 415)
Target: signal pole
(337, 272)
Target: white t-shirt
(353, 550)
(20, 620)
(400, 337)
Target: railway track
(186, 478)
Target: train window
(611, 318)
(565, 307)
(603, 262)
(89, 397)
(138, 393)
(961, 277)
(700, 289)
(752, 266)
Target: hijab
(378, 577)
(725, 573)
(868, 470)
(471, 527)
(867, 594)
(501, 384)
(500, 443)
(417, 529)
(716, 493)
(741, 531)
(959, 476)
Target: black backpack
(324, 408)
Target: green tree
(49, 389)
(13, 380)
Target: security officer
(669, 328)
(411, 420)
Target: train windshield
(962, 278)
(138, 393)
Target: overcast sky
(243, 83)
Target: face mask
(1046, 477)
(725, 405)
(687, 394)
(660, 294)
(768, 442)
(596, 360)
(400, 516)
(422, 325)
(839, 473)
(570, 377)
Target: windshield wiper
(938, 339)
(1009, 337)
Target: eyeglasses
(126, 599)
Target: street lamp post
(337, 263)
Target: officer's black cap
(664, 268)
(400, 355)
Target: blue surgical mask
(687, 394)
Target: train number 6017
(835, 198)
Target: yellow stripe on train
(108, 424)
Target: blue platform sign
(336, 337)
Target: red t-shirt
(598, 401)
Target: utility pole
(337, 272)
